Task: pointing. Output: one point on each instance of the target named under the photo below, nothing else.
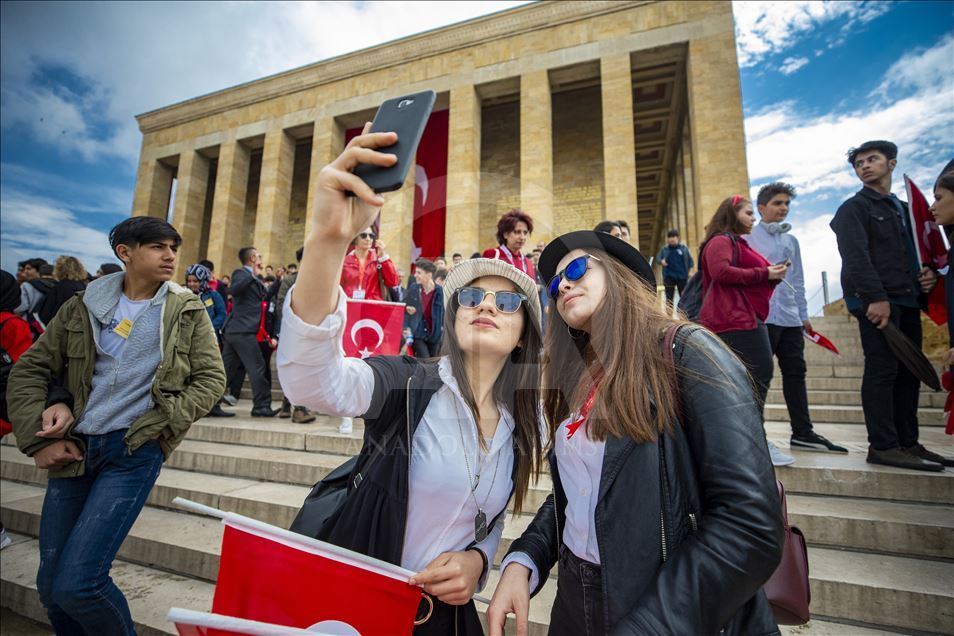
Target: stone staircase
(881, 539)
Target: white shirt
(580, 464)
(788, 306)
(315, 373)
(111, 342)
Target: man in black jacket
(883, 282)
(240, 347)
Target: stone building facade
(574, 111)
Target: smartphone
(406, 115)
(786, 262)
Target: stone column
(189, 206)
(536, 153)
(397, 222)
(462, 221)
(274, 200)
(715, 113)
(695, 219)
(327, 142)
(228, 206)
(153, 189)
(619, 149)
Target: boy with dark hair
(788, 311)
(882, 283)
(139, 363)
(676, 261)
(33, 288)
(624, 228)
(425, 308)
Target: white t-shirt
(112, 342)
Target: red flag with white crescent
(821, 341)
(932, 251)
(270, 575)
(373, 328)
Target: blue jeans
(85, 520)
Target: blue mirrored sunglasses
(572, 272)
(505, 301)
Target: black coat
(247, 295)
(877, 263)
(685, 549)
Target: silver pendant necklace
(480, 520)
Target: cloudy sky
(817, 78)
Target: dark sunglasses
(572, 272)
(505, 301)
(367, 235)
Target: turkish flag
(821, 341)
(430, 189)
(271, 575)
(932, 252)
(373, 328)
(192, 623)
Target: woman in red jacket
(360, 276)
(738, 283)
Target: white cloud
(792, 64)
(768, 28)
(130, 58)
(784, 142)
(819, 254)
(35, 227)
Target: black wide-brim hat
(588, 239)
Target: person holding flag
(454, 438)
(883, 282)
(787, 319)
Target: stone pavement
(881, 539)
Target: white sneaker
(5, 539)
(229, 399)
(778, 457)
(346, 426)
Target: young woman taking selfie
(459, 435)
(665, 517)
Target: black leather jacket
(689, 527)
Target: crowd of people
(664, 515)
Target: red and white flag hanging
(821, 341)
(373, 328)
(280, 578)
(931, 249)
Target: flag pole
(911, 223)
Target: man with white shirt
(788, 312)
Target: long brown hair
(517, 388)
(726, 218)
(636, 396)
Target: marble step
(899, 592)
(821, 397)
(149, 591)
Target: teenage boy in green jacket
(99, 401)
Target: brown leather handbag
(788, 589)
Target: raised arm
(311, 363)
(338, 219)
